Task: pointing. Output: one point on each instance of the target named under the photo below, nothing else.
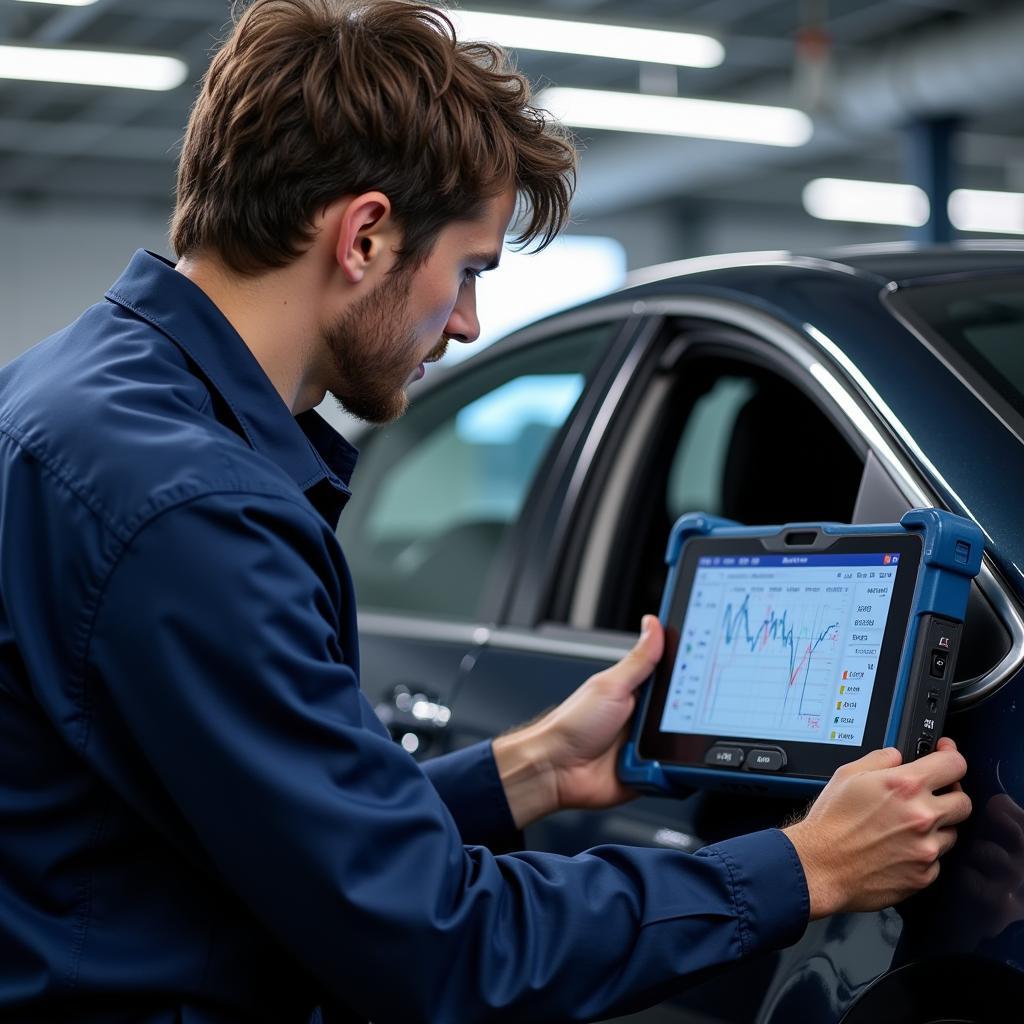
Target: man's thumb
(646, 653)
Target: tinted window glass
(982, 321)
(698, 466)
(436, 492)
(477, 466)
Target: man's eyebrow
(488, 259)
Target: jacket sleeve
(467, 781)
(214, 647)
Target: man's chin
(379, 413)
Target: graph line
(774, 627)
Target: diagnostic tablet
(792, 650)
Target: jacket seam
(62, 475)
(83, 912)
(738, 903)
(91, 610)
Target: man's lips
(434, 357)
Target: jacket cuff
(468, 782)
(769, 888)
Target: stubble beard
(371, 346)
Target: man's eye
(469, 273)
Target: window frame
(810, 360)
(897, 299)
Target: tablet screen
(781, 645)
(796, 650)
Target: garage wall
(56, 260)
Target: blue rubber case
(950, 558)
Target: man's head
(364, 129)
(376, 345)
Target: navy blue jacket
(201, 819)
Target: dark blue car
(508, 533)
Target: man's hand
(876, 833)
(568, 757)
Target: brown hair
(311, 100)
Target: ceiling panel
(70, 141)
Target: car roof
(901, 262)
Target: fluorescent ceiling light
(652, 46)
(61, 3)
(92, 67)
(673, 115)
(868, 202)
(972, 209)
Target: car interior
(772, 449)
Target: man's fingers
(946, 743)
(953, 808)
(947, 840)
(939, 769)
(887, 757)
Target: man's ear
(366, 234)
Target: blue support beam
(932, 167)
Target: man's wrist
(822, 892)
(527, 773)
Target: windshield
(982, 321)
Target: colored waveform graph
(771, 666)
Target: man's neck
(271, 315)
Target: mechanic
(201, 819)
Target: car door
(432, 529)
(682, 436)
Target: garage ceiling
(95, 144)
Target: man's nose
(463, 324)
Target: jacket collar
(306, 447)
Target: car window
(698, 466)
(436, 493)
(979, 323)
(729, 438)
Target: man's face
(379, 345)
